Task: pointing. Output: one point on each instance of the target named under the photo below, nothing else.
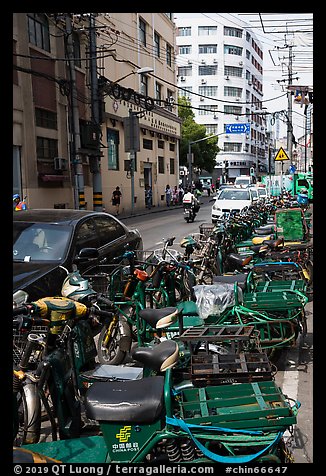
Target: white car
(231, 199)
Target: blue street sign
(292, 169)
(237, 128)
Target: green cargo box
(258, 405)
(291, 224)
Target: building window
(203, 49)
(232, 109)
(172, 166)
(170, 101)
(232, 32)
(76, 46)
(184, 31)
(232, 147)
(207, 30)
(248, 54)
(185, 71)
(142, 31)
(232, 50)
(46, 149)
(168, 54)
(147, 144)
(46, 119)
(171, 147)
(208, 90)
(38, 30)
(234, 92)
(248, 36)
(157, 44)
(160, 144)
(207, 70)
(185, 50)
(160, 165)
(158, 93)
(144, 84)
(207, 109)
(113, 149)
(233, 71)
(184, 92)
(211, 129)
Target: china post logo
(124, 434)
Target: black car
(46, 243)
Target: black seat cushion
(136, 401)
(240, 278)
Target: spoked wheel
(113, 342)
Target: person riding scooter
(191, 205)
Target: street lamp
(190, 154)
(144, 70)
(133, 147)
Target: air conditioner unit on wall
(182, 78)
(203, 61)
(237, 99)
(60, 164)
(215, 60)
(227, 77)
(203, 81)
(241, 63)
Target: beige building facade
(135, 57)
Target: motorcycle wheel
(108, 347)
(29, 415)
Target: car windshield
(234, 194)
(40, 241)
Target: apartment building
(220, 69)
(56, 134)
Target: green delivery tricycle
(161, 417)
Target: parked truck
(292, 183)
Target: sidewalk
(156, 209)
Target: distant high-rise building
(220, 70)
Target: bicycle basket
(19, 341)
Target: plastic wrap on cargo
(214, 299)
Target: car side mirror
(86, 254)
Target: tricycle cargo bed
(259, 405)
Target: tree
(205, 151)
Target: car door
(85, 236)
(113, 240)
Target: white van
(231, 200)
(244, 180)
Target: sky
(277, 32)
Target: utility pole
(95, 164)
(75, 160)
(289, 121)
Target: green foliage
(205, 151)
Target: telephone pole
(76, 162)
(289, 119)
(95, 164)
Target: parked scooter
(65, 367)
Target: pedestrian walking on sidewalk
(168, 195)
(148, 197)
(116, 196)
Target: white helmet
(76, 287)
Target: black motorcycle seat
(159, 318)
(265, 229)
(240, 278)
(274, 243)
(134, 401)
(259, 248)
(238, 259)
(160, 357)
